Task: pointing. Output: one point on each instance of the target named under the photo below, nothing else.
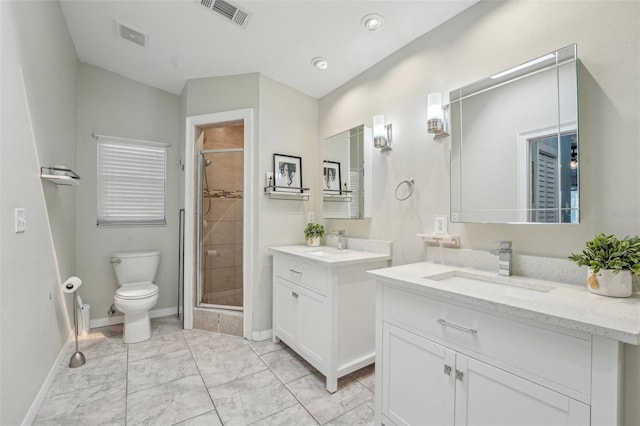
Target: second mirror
(347, 174)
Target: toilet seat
(136, 291)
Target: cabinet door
(285, 310)
(486, 395)
(418, 379)
(314, 327)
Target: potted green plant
(313, 232)
(611, 262)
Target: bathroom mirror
(514, 144)
(347, 175)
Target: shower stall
(220, 215)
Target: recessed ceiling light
(372, 22)
(320, 63)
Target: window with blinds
(131, 182)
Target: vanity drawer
(306, 274)
(562, 360)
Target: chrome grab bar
(446, 323)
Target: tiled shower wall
(222, 230)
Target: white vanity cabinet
(440, 361)
(324, 309)
(301, 319)
(425, 383)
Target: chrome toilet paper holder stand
(71, 286)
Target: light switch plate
(20, 220)
(311, 217)
(440, 225)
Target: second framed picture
(287, 170)
(331, 176)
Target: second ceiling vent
(232, 13)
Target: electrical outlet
(311, 217)
(440, 225)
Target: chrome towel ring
(409, 190)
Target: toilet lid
(137, 290)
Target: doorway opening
(220, 222)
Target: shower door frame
(200, 244)
(193, 127)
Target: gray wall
(113, 105)
(38, 128)
(288, 125)
(484, 39)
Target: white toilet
(135, 272)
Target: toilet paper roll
(71, 285)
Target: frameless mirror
(514, 144)
(347, 175)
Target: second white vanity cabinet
(301, 317)
(324, 306)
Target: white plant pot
(313, 242)
(609, 283)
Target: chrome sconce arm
(382, 133)
(437, 116)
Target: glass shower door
(220, 242)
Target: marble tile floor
(195, 377)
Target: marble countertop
(328, 255)
(564, 305)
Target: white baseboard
(44, 389)
(258, 336)
(119, 319)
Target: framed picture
(287, 170)
(331, 176)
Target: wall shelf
(60, 175)
(442, 240)
(301, 194)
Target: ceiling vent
(228, 11)
(132, 35)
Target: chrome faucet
(342, 239)
(504, 254)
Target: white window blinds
(131, 182)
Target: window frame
(101, 217)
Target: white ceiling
(186, 41)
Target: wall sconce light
(435, 116)
(574, 157)
(382, 134)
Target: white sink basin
(497, 284)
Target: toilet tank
(135, 266)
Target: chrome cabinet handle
(446, 323)
(294, 294)
(116, 260)
(459, 375)
(294, 271)
(447, 370)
